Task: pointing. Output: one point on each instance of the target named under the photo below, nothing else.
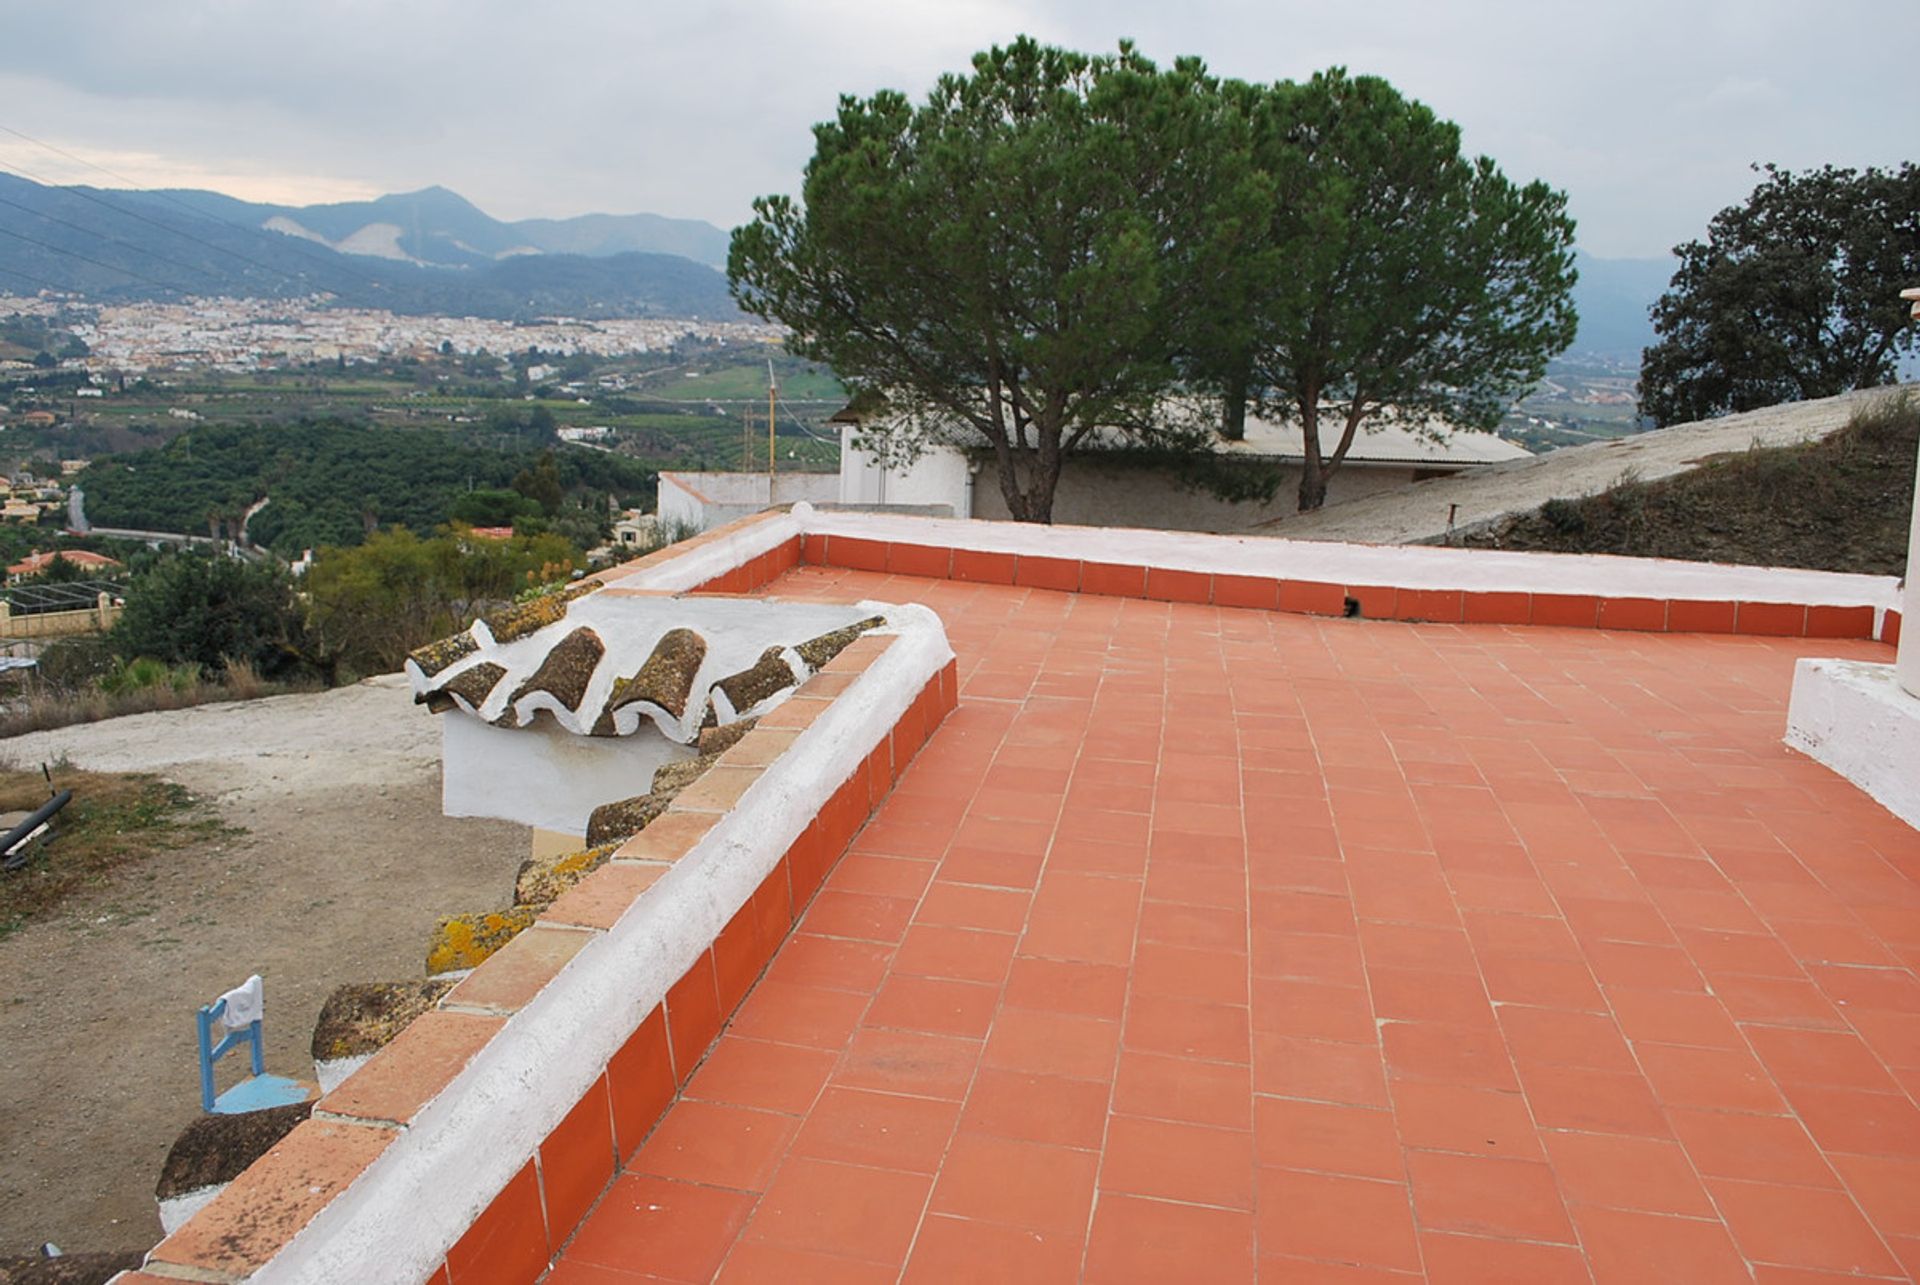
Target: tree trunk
(1233, 408)
(1033, 500)
(1313, 478)
(1313, 486)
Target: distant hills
(1612, 297)
(421, 252)
(433, 251)
(438, 228)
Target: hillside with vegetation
(1840, 504)
(331, 483)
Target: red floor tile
(959, 1249)
(1148, 1242)
(1347, 1220)
(754, 1263)
(1626, 1248)
(1485, 1196)
(1626, 1173)
(1177, 1161)
(716, 1145)
(1156, 1086)
(932, 1066)
(880, 1130)
(1452, 1117)
(1361, 1142)
(1453, 1259)
(865, 1214)
(1021, 1184)
(673, 1230)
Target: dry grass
(115, 819)
(40, 707)
(1841, 504)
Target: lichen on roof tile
(472, 685)
(523, 618)
(608, 665)
(566, 671)
(614, 823)
(362, 1017)
(463, 941)
(439, 654)
(765, 677)
(214, 1148)
(665, 679)
(542, 880)
(819, 650)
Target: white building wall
(1095, 492)
(941, 476)
(706, 500)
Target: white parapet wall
(1855, 718)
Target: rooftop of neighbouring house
(1200, 942)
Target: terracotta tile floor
(1202, 944)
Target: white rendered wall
(1853, 717)
(940, 476)
(679, 506)
(543, 775)
(708, 500)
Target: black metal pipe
(39, 818)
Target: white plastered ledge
(1401, 566)
(1855, 718)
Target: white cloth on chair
(246, 1004)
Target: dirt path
(344, 866)
(1419, 512)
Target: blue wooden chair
(255, 1093)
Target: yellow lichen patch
(523, 618)
(437, 655)
(462, 941)
(542, 881)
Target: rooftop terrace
(1201, 942)
(1180, 927)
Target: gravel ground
(344, 864)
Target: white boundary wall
(1402, 566)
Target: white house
(699, 501)
(1114, 487)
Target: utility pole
(770, 392)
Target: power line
(36, 281)
(48, 245)
(73, 189)
(87, 231)
(286, 243)
(798, 423)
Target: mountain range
(433, 251)
(421, 252)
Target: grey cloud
(1647, 113)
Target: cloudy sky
(1647, 112)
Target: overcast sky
(1646, 112)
